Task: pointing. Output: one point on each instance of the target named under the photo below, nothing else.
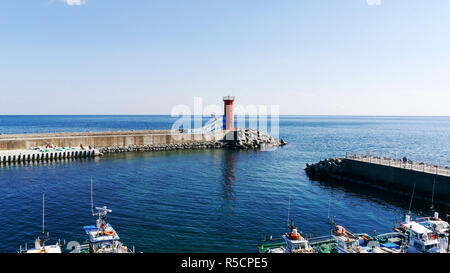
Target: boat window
(295, 246)
(353, 244)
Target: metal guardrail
(403, 164)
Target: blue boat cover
(88, 229)
(391, 245)
(102, 238)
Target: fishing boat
(40, 245)
(435, 223)
(294, 242)
(420, 238)
(392, 242)
(347, 242)
(440, 229)
(423, 234)
(291, 242)
(103, 238)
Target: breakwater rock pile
(236, 139)
(325, 168)
(164, 147)
(251, 139)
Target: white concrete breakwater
(40, 154)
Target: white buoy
(37, 244)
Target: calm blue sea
(211, 200)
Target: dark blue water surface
(211, 200)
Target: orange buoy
(109, 232)
(294, 236)
(340, 230)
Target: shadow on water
(385, 197)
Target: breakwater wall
(17, 148)
(389, 174)
(103, 139)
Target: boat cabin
(346, 244)
(421, 239)
(296, 245)
(40, 247)
(104, 240)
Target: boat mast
(101, 211)
(329, 207)
(412, 196)
(432, 195)
(43, 215)
(92, 198)
(331, 222)
(289, 208)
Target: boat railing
(271, 241)
(390, 235)
(266, 244)
(82, 248)
(362, 235)
(321, 239)
(427, 219)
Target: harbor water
(212, 200)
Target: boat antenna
(92, 198)
(43, 214)
(289, 208)
(329, 207)
(432, 195)
(412, 196)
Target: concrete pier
(397, 163)
(17, 156)
(103, 139)
(389, 174)
(20, 148)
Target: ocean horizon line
(168, 115)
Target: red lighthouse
(228, 117)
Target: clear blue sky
(144, 57)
